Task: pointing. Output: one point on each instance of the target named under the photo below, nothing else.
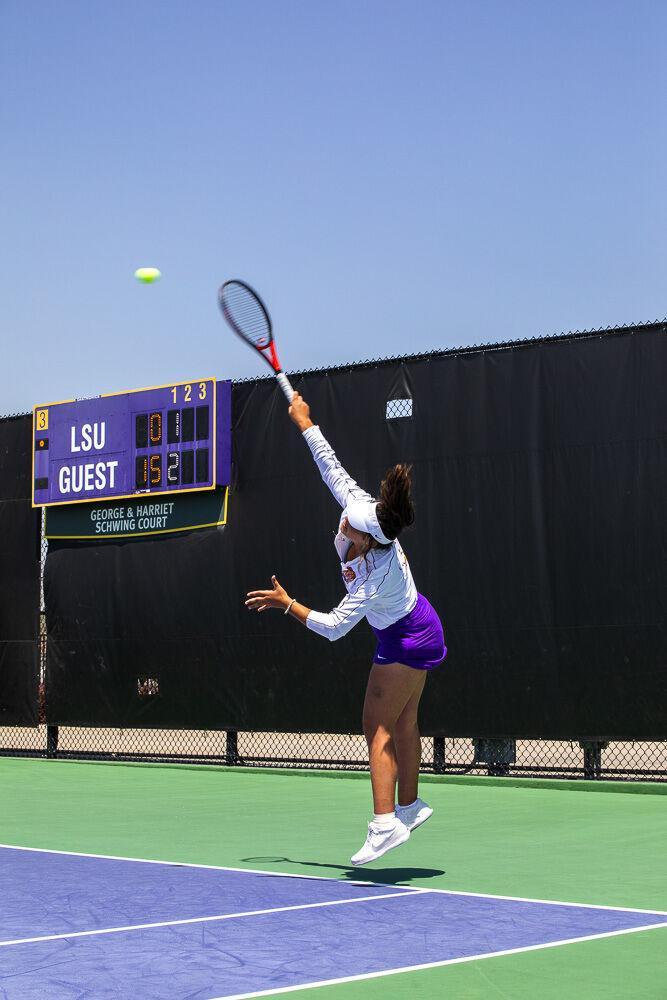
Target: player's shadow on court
(390, 876)
(385, 876)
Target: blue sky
(393, 177)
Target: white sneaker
(414, 815)
(381, 839)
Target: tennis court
(125, 880)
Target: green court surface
(596, 843)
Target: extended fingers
(260, 600)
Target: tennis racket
(249, 318)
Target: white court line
(200, 920)
(435, 965)
(194, 864)
(544, 902)
(331, 878)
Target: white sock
(409, 806)
(384, 819)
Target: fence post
(232, 748)
(438, 754)
(51, 741)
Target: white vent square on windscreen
(398, 408)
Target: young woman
(410, 638)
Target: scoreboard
(163, 440)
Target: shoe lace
(376, 833)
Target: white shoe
(414, 815)
(381, 839)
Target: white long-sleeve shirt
(379, 586)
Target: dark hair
(395, 509)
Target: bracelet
(289, 606)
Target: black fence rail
(440, 755)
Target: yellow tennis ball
(147, 275)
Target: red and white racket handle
(284, 384)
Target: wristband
(289, 606)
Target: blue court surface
(80, 926)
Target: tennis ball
(147, 275)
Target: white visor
(362, 515)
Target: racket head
(246, 313)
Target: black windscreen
(539, 474)
(19, 576)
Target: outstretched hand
(299, 412)
(260, 600)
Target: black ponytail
(395, 509)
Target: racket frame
(268, 352)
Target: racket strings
(246, 315)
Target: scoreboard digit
(166, 439)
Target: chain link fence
(440, 755)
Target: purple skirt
(417, 640)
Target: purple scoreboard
(167, 439)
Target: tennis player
(410, 638)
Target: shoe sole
(396, 843)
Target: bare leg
(407, 745)
(391, 687)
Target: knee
(375, 731)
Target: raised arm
(344, 488)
